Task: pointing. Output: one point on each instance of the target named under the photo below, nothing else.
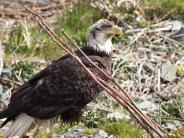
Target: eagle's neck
(100, 44)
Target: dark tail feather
(5, 114)
(6, 121)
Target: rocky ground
(83, 132)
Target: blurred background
(148, 59)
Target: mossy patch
(123, 129)
(178, 133)
(89, 132)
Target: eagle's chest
(75, 85)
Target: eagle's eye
(106, 26)
(103, 27)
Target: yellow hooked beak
(115, 30)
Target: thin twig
(12, 81)
(170, 118)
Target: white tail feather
(24, 123)
(21, 125)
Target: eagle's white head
(100, 35)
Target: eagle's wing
(62, 87)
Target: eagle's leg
(71, 116)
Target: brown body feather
(63, 88)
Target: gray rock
(178, 123)
(1, 88)
(77, 132)
(175, 25)
(173, 125)
(170, 126)
(179, 35)
(5, 95)
(101, 134)
(148, 106)
(168, 71)
(7, 72)
(118, 116)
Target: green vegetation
(24, 69)
(143, 24)
(119, 129)
(89, 131)
(173, 108)
(94, 119)
(77, 21)
(42, 135)
(59, 129)
(123, 129)
(178, 133)
(29, 40)
(164, 8)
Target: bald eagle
(63, 88)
